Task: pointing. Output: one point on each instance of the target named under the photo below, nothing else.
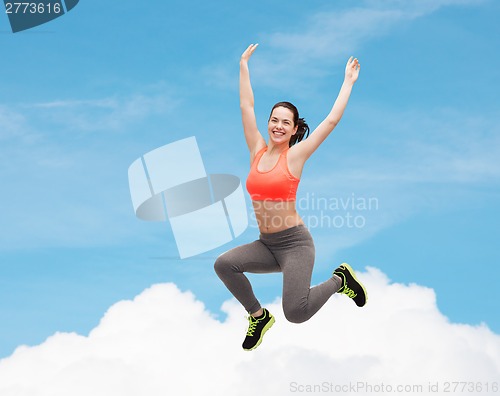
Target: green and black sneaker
(256, 329)
(351, 287)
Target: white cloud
(15, 126)
(62, 186)
(419, 7)
(56, 194)
(417, 146)
(165, 342)
(329, 34)
(326, 38)
(108, 113)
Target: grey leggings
(291, 252)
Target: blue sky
(83, 96)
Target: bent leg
(254, 257)
(300, 301)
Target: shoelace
(349, 292)
(252, 326)
(346, 290)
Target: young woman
(285, 244)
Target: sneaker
(350, 285)
(256, 330)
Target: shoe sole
(266, 327)
(351, 271)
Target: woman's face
(280, 125)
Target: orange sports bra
(278, 184)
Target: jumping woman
(285, 244)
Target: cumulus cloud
(166, 342)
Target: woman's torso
(272, 187)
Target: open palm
(352, 70)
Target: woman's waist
(278, 206)
(276, 216)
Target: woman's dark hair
(302, 127)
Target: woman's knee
(223, 264)
(294, 314)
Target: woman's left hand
(352, 70)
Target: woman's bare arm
(253, 137)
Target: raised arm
(254, 139)
(305, 148)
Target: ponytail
(302, 132)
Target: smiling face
(281, 126)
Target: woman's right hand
(245, 57)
